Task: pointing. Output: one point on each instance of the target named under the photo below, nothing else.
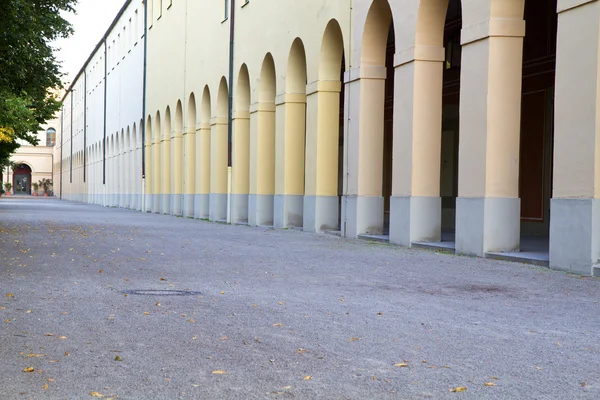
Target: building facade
(467, 125)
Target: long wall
(416, 120)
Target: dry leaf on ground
(28, 369)
(489, 384)
(219, 372)
(458, 389)
(96, 394)
(401, 365)
(307, 378)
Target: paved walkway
(232, 312)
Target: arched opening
(157, 165)
(537, 127)
(291, 144)
(203, 155)
(219, 154)
(189, 158)
(325, 136)
(167, 168)
(241, 149)
(22, 179)
(262, 145)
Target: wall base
(217, 207)
(415, 219)
(201, 202)
(288, 211)
(362, 215)
(239, 208)
(487, 224)
(260, 209)
(321, 213)
(575, 235)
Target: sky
(90, 23)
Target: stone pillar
(156, 173)
(189, 140)
(416, 209)
(166, 173)
(149, 176)
(289, 160)
(488, 213)
(240, 154)
(218, 169)
(362, 203)
(575, 206)
(262, 164)
(201, 203)
(177, 173)
(321, 201)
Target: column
(575, 206)
(218, 169)
(177, 173)
(166, 173)
(289, 160)
(362, 203)
(488, 212)
(416, 209)
(240, 154)
(148, 190)
(201, 202)
(321, 201)
(189, 140)
(262, 164)
(156, 173)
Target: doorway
(22, 180)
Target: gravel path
(126, 305)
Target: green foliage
(29, 67)
(46, 184)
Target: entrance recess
(22, 179)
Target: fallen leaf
(224, 338)
(192, 320)
(494, 377)
(219, 372)
(10, 295)
(35, 355)
(48, 334)
(302, 351)
(307, 378)
(401, 365)
(45, 387)
(489, 384)
(222, 292)
(146, 313)
(458, 389)
(67, 354)
(96, 394)
(287, 387)
(50, 379)
(162, 279)
(158, 304)
(62, 337)
(118, 358)
(28, 312)
(100, 271)
(2, 308)
(354, 339)
(28, 369)
(277, 324)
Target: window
(50, 137)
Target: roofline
(108, 31)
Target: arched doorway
(22, 179)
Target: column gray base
(321, 213)
(288, 211)
(217, 207)
(575, 235)
(260, 209)
(138, 202)
(362, 215)
(487, 224)
(201, 202)
(415, 219)
(176, 202)
(166, 204)
(149, 199)
(188, 205)
(239, 208)
(156, 203)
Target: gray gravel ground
(284, 313)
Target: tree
(30, 72)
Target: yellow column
(201, 207)
(575, 204)
(240, 154)
(177, 173)
(416, 203)
(218, 169)
(488, 207)
(363, 204)
(262, 164)
(166, 174)
(289, 161)
(156, 172)
(148, 190)
(189, 141)
(321, 202)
